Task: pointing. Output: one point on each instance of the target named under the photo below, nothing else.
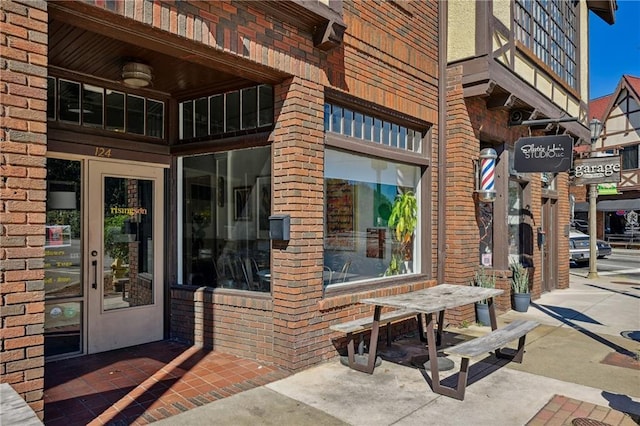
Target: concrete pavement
(579, 354)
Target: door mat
(562, 410)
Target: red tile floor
(145, 383)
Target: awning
(609, 205)
(615, 205)
(581, 207)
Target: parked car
(579, 248)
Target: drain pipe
(443, 7)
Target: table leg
(457, 392)
(373, 346)
(492, 314)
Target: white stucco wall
(462, 29)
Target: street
(623, 263)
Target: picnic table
(438, 299)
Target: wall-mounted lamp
(136, 74)
(485, 179)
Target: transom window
(93, 106)
(227, 113)
(549, 29)
(344, 121)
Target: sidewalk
(578, 364)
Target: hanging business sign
(596, 170)
(608, 189)
(543, 154)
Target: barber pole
(487, 191)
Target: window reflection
(360, 196)
(224, 231)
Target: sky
(614, 50)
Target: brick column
(23, 94)
(298, 161)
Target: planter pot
(521, 301)
(482, 313)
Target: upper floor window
(550, 29)
(630, 157)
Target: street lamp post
(596, 127)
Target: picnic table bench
(366, 323)
(436, 300)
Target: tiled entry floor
(145, 383)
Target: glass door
(124, 246)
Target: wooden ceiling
(78, 50)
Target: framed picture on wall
(263, 203)
(242, 209)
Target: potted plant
(403, 221)
(520, 286)
(485, 280)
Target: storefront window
(224, 220)
(520, 232)
(360, 196)
(63, 288)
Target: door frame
(159, 249)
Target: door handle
(94, 263)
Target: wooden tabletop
(435, 299)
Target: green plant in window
(115, 243)
(403, 221)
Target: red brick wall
(374, 63)
(23, 70)
(469, 122)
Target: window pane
(224, 229)
(347, 129)
(360, 194)
(517, 227)
(336, 119)
(155, 118)
(187, 120)
(135, 114)
(201, 117)
(233, 111)
(377, 130)
(115, 111)
(69, 101)
(92, 103)
(357, 125)
(250, 108)
(216, 114)
(368, 127)
(265, 93)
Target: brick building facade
(230, 118)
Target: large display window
(363, 199)
(224, 220)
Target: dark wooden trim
(501, 211)
(441, 193)
(66, 74)
(115, 153)
(91, 144)
(373, 149)
(547, 69)
(107, 23)
(226, 144)
(361, 105)
(484, 30)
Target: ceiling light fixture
(136, 74)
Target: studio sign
(597, 170)
(543, 154)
